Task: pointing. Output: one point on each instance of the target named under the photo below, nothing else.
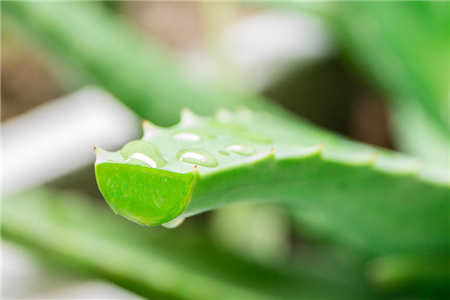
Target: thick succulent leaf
(138, 71)
(423, 275)
(407, 54)
(372, 197)
(417, 134)
(401, 46)
(73, 231)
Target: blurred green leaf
(70, 230)
(404, 48)
(420, 274)
(401, 60)
(417, 134)
(135, 69)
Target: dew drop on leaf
(187, 136)
(136, 152)
(241, 149)
(141, 158)
(197, 157)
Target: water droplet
(136, 152)
(241, 149)
(174, 223)
(187, 136)
(224, 152)
(256, 137)
(197, 157)
(143, 158)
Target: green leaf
(72, 231)
(415, 133)
(137, 70)
(424, 276)
(401, 46)
(373, 197)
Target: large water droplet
(187, 136)
(188, 117)
(174, 223)
(241, 149)
(197, 157)
(136, 152)
(141, 158)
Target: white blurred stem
(58, 137)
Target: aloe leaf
(137, 70)
(415, 133)
(401, 46)
(74, 232)
(373, 197)
(426, 276)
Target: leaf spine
(188, 117)
(150, 130)
(101, 155)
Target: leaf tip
(174, 223)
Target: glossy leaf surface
(372, 197)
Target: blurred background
(81, 74)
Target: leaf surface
(372, 197)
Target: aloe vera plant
(410, 64)
(403, 47)
(139, 72)
(72, 231)
(406, 57)
(374, 197)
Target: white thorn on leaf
(436, 175)
(150, 130)
(101, 155)
(174, 223)
(188, 117)
(399, 164)
(352, 158)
